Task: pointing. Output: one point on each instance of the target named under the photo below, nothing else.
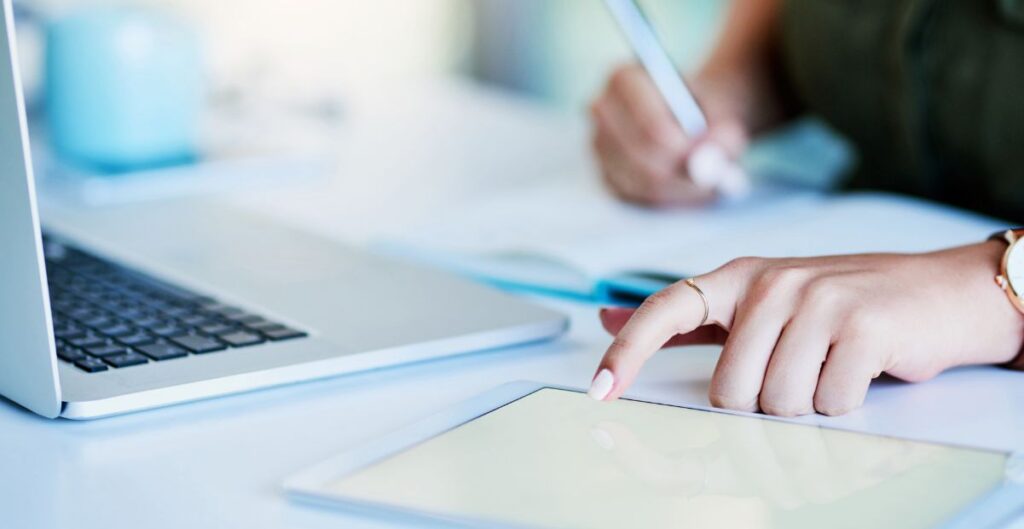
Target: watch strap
(1007, 236)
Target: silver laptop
(131, 308)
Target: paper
(580, 224)
(573, 236)
(855, 223)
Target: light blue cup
(124, 89)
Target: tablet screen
(556, 458)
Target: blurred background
(177, 95)
(556, 51)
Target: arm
(741, 77)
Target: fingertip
(602, 384)
(706, 165)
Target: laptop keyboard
(107, 316)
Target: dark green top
(930, 91)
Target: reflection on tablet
(556, 458)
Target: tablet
(532, 456)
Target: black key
(70, 354)
(106, 350)
(265, 326)
(81, 313)
(282, 333)
(172, 311)
(98, 321)
(118, 329)
(199, 344)
(216, 328)
(159, 287)
(241, 338)
(135, 312)
(139, 338)
(126, 360)
(121, 331)
(195, 320)
(62, 303)
(223, 310)
(244, 318)
(92, 365)
(169, 329)
(67, 332)
(203, 301)
(162, 351)
(145, 320)
(89, 340)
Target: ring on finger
(707, 306)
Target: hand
(810, 334)
(644, 154)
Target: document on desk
(573, 239)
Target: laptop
(135, 307)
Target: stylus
(709, 164)
(658, 64)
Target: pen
(709, 164)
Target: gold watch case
(1011, 268)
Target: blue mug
(124, 89)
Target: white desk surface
(220, 463)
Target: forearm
(741, 76)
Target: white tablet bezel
(993, 510)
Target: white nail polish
(602, 385)
(706, 165)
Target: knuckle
(619, 343)
(782, 278)
(821, 293)
(657, 301)
(782, 407)
(832, 402)
(860, 323)
(832, 407)
(742, 264)
(730, 401)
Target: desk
(220, 463)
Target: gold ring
(707, 306)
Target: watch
(1011, 270)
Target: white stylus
(709, 165)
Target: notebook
(572, 239)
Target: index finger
(677, 309)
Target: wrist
(737, 91)
(1008, 314)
